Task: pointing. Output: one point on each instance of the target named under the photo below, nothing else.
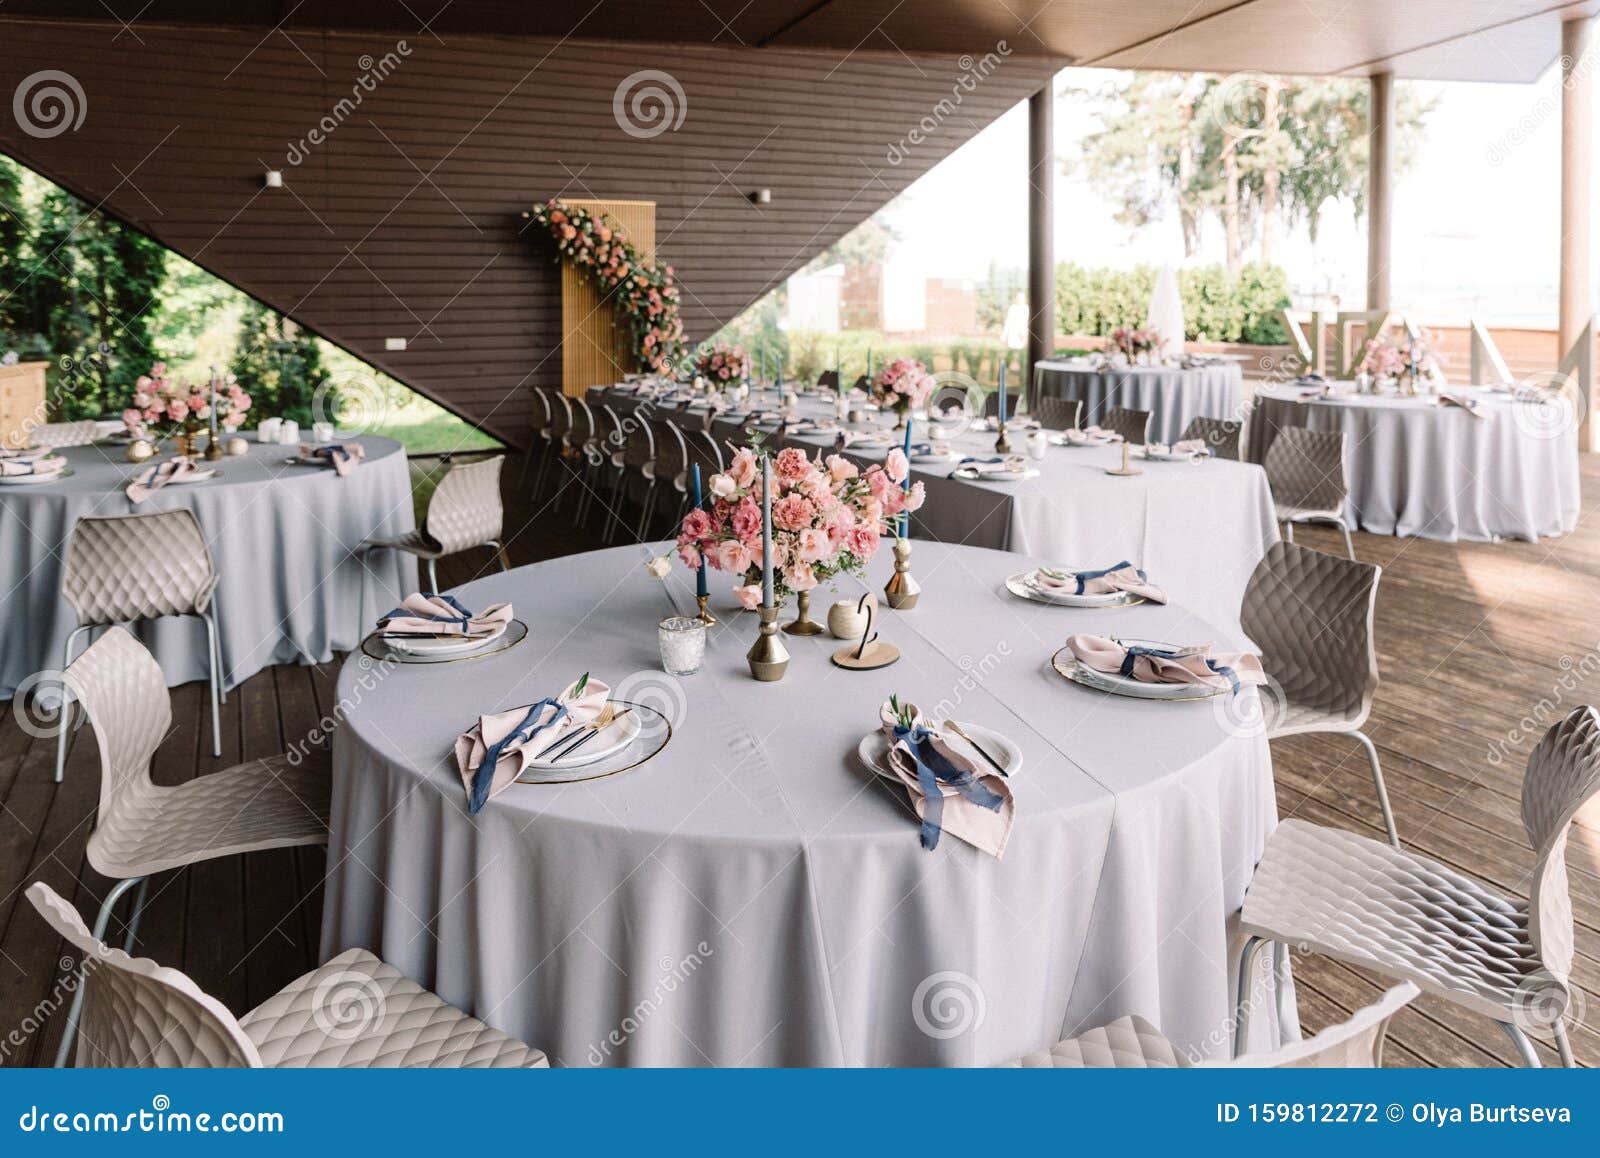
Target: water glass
(322, 432)
(683, 644)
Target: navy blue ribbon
(1134, 651)
(530, 727)
(464, 616)
(331, 450)
(970, 459)
(933, 769)
(1084, 576)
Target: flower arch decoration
(645, 292)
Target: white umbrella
(1166, 314)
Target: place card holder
(870, 654)
(1127, 469)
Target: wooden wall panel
(596, 348)
(404, 221)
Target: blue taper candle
(766, 533)
(1003, 415)
(905, 519)
(700, 572)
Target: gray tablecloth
(1417, 467)
(1173, 396)
(752, 896)
(1199, 529)
(281, 538)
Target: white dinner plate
(1023, 586)
(967, 474)
(934, 459)
(202, 475)
(1167, 455)
(874, 749)
(1079, 672)
(33, 480)
(613, 739)
(1097, 440)
(442, 645)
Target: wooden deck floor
(1472, 638)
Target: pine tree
(280, 365)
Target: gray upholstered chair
(143, 828)
(1133, 425)
(355, 1012)
(123, 568)
(1405, 916)
(1058, 413)
(1221, 435)
(1311, 616)
(59, 434)
(464, 512)
(1305, 469)
(1133, 1043)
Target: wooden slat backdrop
(595, 346)
(406, 220)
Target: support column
(1380, 187)
(1041, 229)
(1577, 131)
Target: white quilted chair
(355, 1012)
(59, 434)
(1305, 469)
(143, 828)
(1310, 614)
(1133, 1043)
(464, 512)
(122, 568)
(1404, 916)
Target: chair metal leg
(1524, 1044)
(1377, 782)
(1563, 1046)
(1288, 1027)
(1350, 547)
(505, 560)
(65, 711)
(614, 513)
(645, 511)
(1288, 530)
(138, 911)
(433, 576)
(1241, 1006)
(64, 1050)
(216, 686)
(361, 594)
(217, 648)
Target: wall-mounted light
(394, 343)
(273, 179)
(760, 197)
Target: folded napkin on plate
(1168, 665)
(345, 456)
(1011, 464)
(944, 786)
(45, 463)
(158, 476)
(1187, 446)
(1469, 404)
(26, 453)
(1123, 576)
(923, 449)
(1092, 434)
(422, 613)
(493, 752)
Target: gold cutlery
(608, 716)
(955, 729)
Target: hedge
(1216, 307)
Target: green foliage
(280, 365)
(1216, 307)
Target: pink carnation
(696, 525)
(791, 465)
(800, 576)
(896, 466)
(792, 512)
(743, 468)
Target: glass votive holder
(683, 644)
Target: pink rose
(197, 403)
(131, 418)
(878, 483)
(689, 555)
(743, 468)
(749, 596)
(841, 468)
(915, 497)
(723, 486)
(896, 466)
(142, 383)
(814, 545)
(731, 556)
(696, 525)
(747, 519)
(153, 414)
(176, 410)
(800, 576)
(791, 465)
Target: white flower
(723, 486)
(660, 566)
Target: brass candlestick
(213, 448)
(902, 590)
(1002, 445)
(705, 616)
(803, 623)
(769, 659)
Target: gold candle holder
(902, 590)
(213, 448)
(803, 623)
(769, 659)
(705, 616)
(1002, 445)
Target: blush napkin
(26, 453)
(1014, 464)
(426, 614)
(45, 463)
(158, 476)
(492, 753)
(1122, 576)
(1226, 671)
(945, 788)
(1092, 435)
(345, 456)
(1470, 405)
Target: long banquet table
(751, 896)
(1416, 466)
(1174, 395)
(281, 537)
(1199, 529)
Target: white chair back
(125, 567)
(465, 510)
(1563, 775)
(1353, 1044)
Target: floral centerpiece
(724, 367)
(828, 517)
(645, 292)
(1134, 343)
(902, 386)
(1410, 363)
(162, 407)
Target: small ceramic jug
(844, 621)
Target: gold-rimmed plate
(33, 480)
(1074, 669)
(1020, 586)
(653, 734)
(377, 647)
(967, 474)
(873, 751)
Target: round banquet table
(751, 895)
(1419, 467)
(1175, 396)
(281, 539)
